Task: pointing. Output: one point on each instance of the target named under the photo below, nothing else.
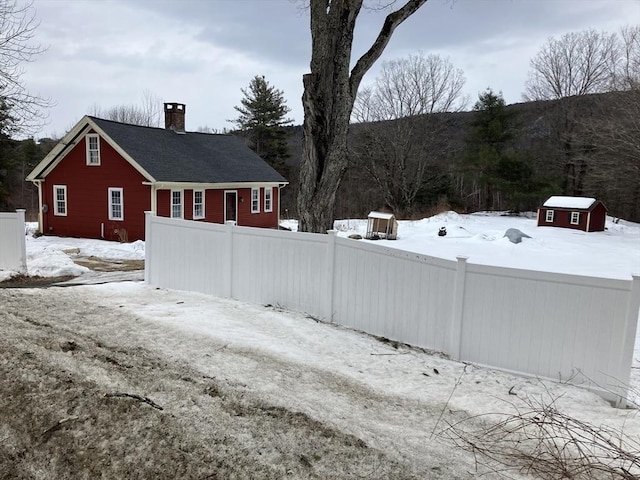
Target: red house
(103, 175)
(581, 213)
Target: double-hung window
(93, 149)
(268, 199)
(176, 204)
(575, 218)
(549, 217)
(116, 204)
(60, 200)
(255, 200)
(198, 204)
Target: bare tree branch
(17, 28)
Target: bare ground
(82, 397)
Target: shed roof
(580, 203)
(385, 216)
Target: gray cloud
(202, 52)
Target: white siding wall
(13, 254)
(562, 327)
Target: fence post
(331, 272)
(20, 232)
(626, 352)
(228, 274)
(458, 307)
(148, 256)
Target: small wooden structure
(381, 225)
(580, 213)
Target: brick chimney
(174, 116)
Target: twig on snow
(134, 396)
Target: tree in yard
(263, 120)
(329, 93)
(17, 28)
(399, 130)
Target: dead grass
(58, 420)
(106, 265)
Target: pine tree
(263, 120)
(505, 176)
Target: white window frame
(88, 138)
(575, 218)
(56, 206)
(201, 203)
(268, 199)
(181, 204)
(549, 216)
(255, 200)
(111, 204)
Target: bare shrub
(540, 440)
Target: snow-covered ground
(614, 253)
(331, 352)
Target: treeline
(17, 159)
(495, 157)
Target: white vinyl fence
(13, 255)
(562, 327)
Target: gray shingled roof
(190, 157)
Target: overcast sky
(202, 52)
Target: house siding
(87, 196)
(598, 218)
(214, 207)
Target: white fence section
(562, 327)
(13, 254)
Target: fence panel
(548, 325)
(185, 255)
(280, 268)
(563, 327)
(395, 294)
(13, 251)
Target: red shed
(103, 175)
(581, 213)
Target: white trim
(577, 218)
(87, 139)
(171, 204)
(268, 205)
(213, 186)
(202, 215)
(255, 200)
(70, 140)
(56, 210)
(549, 215)
(110, 190)
(235, 192)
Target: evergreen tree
(263, 120)
(504, 176)
(7, 162)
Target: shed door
(231, 206)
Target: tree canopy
(262, 120)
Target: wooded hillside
(584, 146)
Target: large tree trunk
(329, 93)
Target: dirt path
(83, 395)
